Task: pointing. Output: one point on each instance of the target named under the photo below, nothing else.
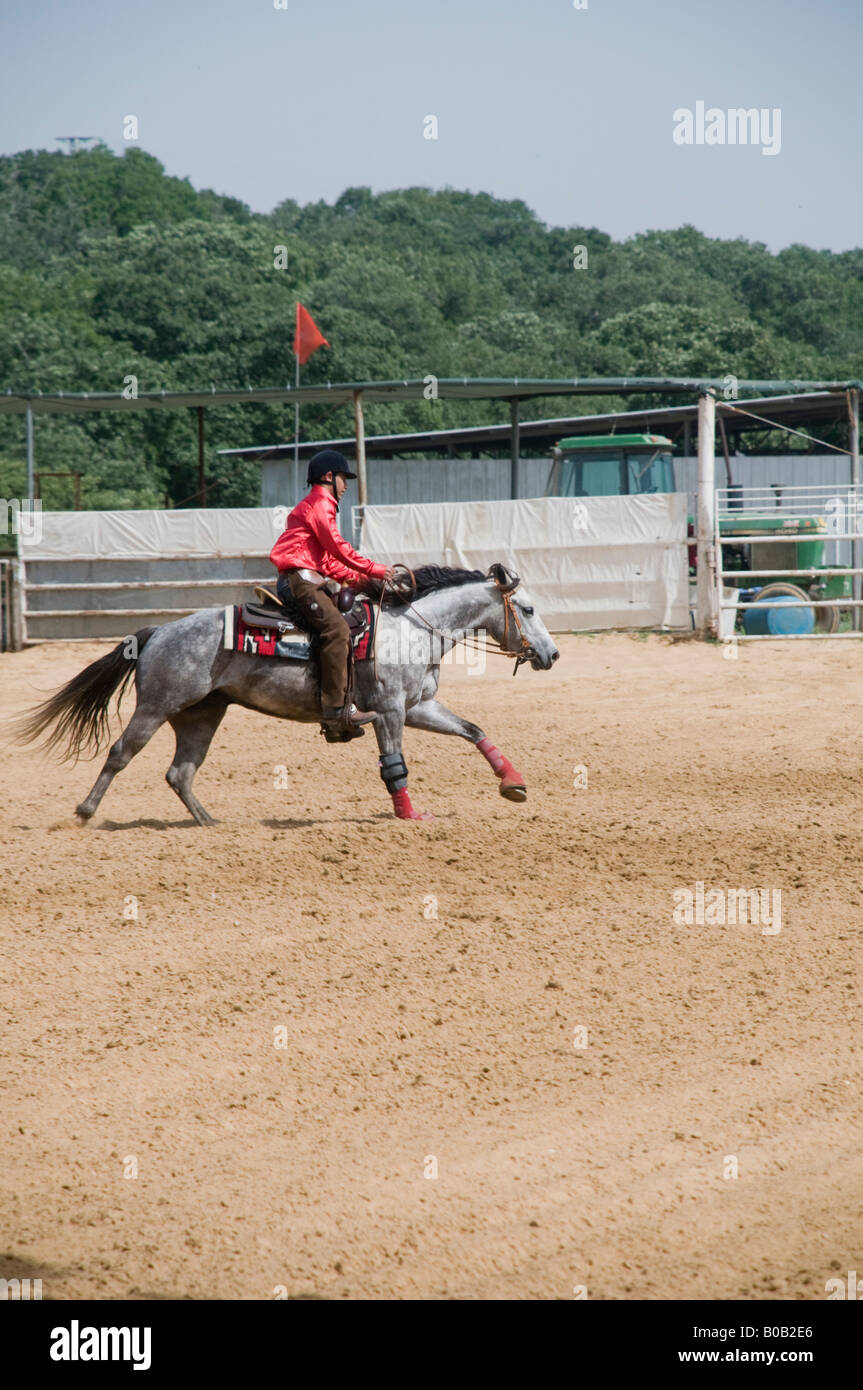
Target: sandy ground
(419, 1044)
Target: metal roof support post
(854, 446)
(30, 478)
(360, 432)
(513, 449)
(728, 478)
(202, 482)
(705, 603)
(17, 622)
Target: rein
(520, 657)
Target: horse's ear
(506, 582)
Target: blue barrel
(772, 616)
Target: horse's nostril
(555, 655)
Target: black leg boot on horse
(340, 718)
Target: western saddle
(284, 617)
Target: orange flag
(307, 336)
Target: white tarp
(249, 531)
(589, 563)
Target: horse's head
(517, 626)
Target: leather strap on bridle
(509, 611)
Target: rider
(310, 551)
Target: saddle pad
(241, 636)
(362, 640)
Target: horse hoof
(514, 791)
(82, 816)
(417, 815)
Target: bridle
(506, 589)
(526, 651)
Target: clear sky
(571, 110)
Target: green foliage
(110, 269)
(52, 203)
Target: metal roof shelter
(676, 421)
(446, 388)
(515, 390)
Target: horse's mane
(429, 578)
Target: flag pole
(296, 478)
(307, 339)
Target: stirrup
(340, 733)
(338, 725)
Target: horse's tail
(79, 710)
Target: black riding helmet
(327, 461)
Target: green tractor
(622, 465)
(616, 465)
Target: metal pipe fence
(754, 521)
(86, 608)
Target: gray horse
(184, 675)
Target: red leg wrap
(502, 766)
(403, 808)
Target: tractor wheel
(792, 591)
(827, 619)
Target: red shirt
(311, 540)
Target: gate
(805, 543)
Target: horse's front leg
(440, 720)
(389, 727)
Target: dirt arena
(418, 1042)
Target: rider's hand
(390, 572)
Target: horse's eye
(528, 611)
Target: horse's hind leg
(138, 731)
(194, 728)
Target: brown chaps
(323, 617)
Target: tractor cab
(611, 465)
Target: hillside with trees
(111, 268)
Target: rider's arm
(323, 523)
(344, 575)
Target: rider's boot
(343, 722)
